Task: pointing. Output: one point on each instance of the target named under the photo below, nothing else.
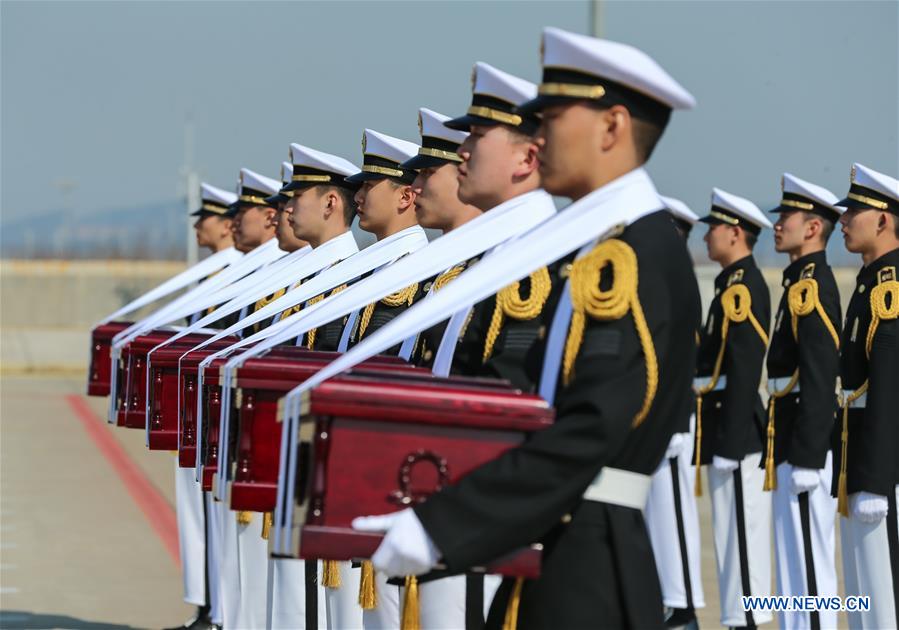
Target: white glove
(677, 445)
(406, 549)
(804, 479)
(867, 507)
(724, 465)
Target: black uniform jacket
(598, 568)
(733, 419)
(803, 420)
(873, 445)
(381, 315)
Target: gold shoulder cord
(736, 302)
(879, 312)
(265, 302)
(446, 277)
(509, 303)
(621, 297)
(802, 300)
(293, 309)
(310, 336)
(401, 297)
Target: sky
(96, 96)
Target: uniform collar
(747, 262)
(795, 268)
(869, 271)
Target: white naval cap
(495, 98)
(254, 189)
(680, 210)
(213, 200)
(286, 174)
(732, 210)
(799, 194)
(870, 189)
(383, 156)
(439, 143)
(315, 168)
(580, 67)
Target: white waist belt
(619, 487)
(702, 381)
(777, 384)
(858, 403)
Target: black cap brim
(464, 123)
(276, 199)
(541, 102)
(425, 161)
(710, 220)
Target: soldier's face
(284, 231)
(252, 226)
(304, 213)
(570, 138)
(211, 229)
(790, 231)
(719, 240)
(436, 192)
(491, 158)
(377, 202)
(860, 227)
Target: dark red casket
(261, 382)
(98, 374)
(132, 384)
(382, 444)
(164, 392)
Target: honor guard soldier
(671, 499)
(321, 210)
(803, 364)
(868, 428)
(438, 207)
(730, 419)
(385, 205)
(287, 240)
(578, 486)
(213, 230)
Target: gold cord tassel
(244, 517)
(401, 297)
(509, 303)
(697, 484)
(330, 574)
(411, 617)
(368, 595)
(510, 622)
(266, 525)
(587, 298)
(842, 494)
(770, 473)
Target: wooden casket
(98, 375)
(260, 383)
(383, 444)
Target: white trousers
(867, 569)
(386, 615)
(253, 562)
(805, 523)
(191, 534)
(342, 604)
(673, 524)
(287, 595)
(213, 556)
(741, 519)
(229, 567)
(442, 602)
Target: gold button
(861, 288)
(566, 519)
(565, 271)
(427, 286)
(427, 355)
(541, 333)
(717, 291)
(786, 282)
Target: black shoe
(200, 621)
(681, 617)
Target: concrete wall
(47, 308)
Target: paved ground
(86, 517)
(78, 551)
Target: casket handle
(404, 495)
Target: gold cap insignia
(364, 141)
(474, 77)
(421, 127)
(852, 174)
